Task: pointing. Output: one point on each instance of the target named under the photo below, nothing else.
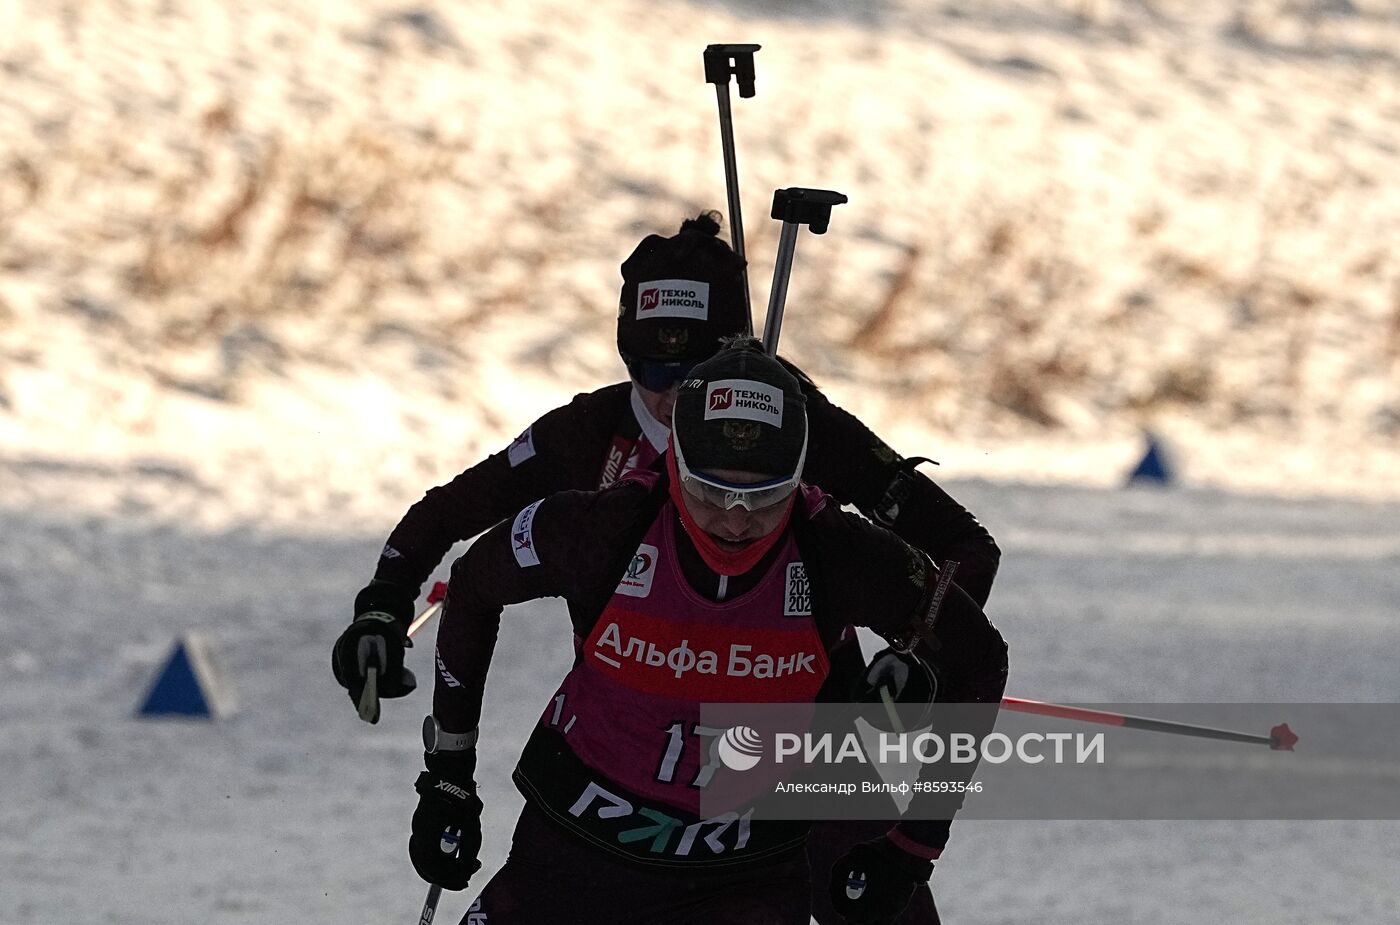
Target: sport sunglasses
(728, 495)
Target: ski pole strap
(886, 512)
(906, 641)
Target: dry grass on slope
(1065, 217)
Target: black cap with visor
(740, 412)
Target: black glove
(907, 681)
(447, 823)
(873, 882)
(376, 638)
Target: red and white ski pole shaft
(1280, 737)
(368, 705)
(793, 206)
(722, 62)
(436, 596)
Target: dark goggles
(657, 375)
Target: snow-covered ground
(294, 810)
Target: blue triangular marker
(1154, 466)
(186, 686)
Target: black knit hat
(681, 294)
(741, 410)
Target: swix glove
(872, 883)
(446, 835)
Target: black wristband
(457, 766)
(386, 597)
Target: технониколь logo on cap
(673, 298)
(744, 399)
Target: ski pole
(1280, 737)
(436, 596)
(450, 844)
(793, 206)
(368, 705)
(722, 61)
(430, 905)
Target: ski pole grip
(810, 207)
(368, 706)
(723, 60)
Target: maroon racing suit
(592, 441)
(606, 773)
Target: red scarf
(720, 560)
